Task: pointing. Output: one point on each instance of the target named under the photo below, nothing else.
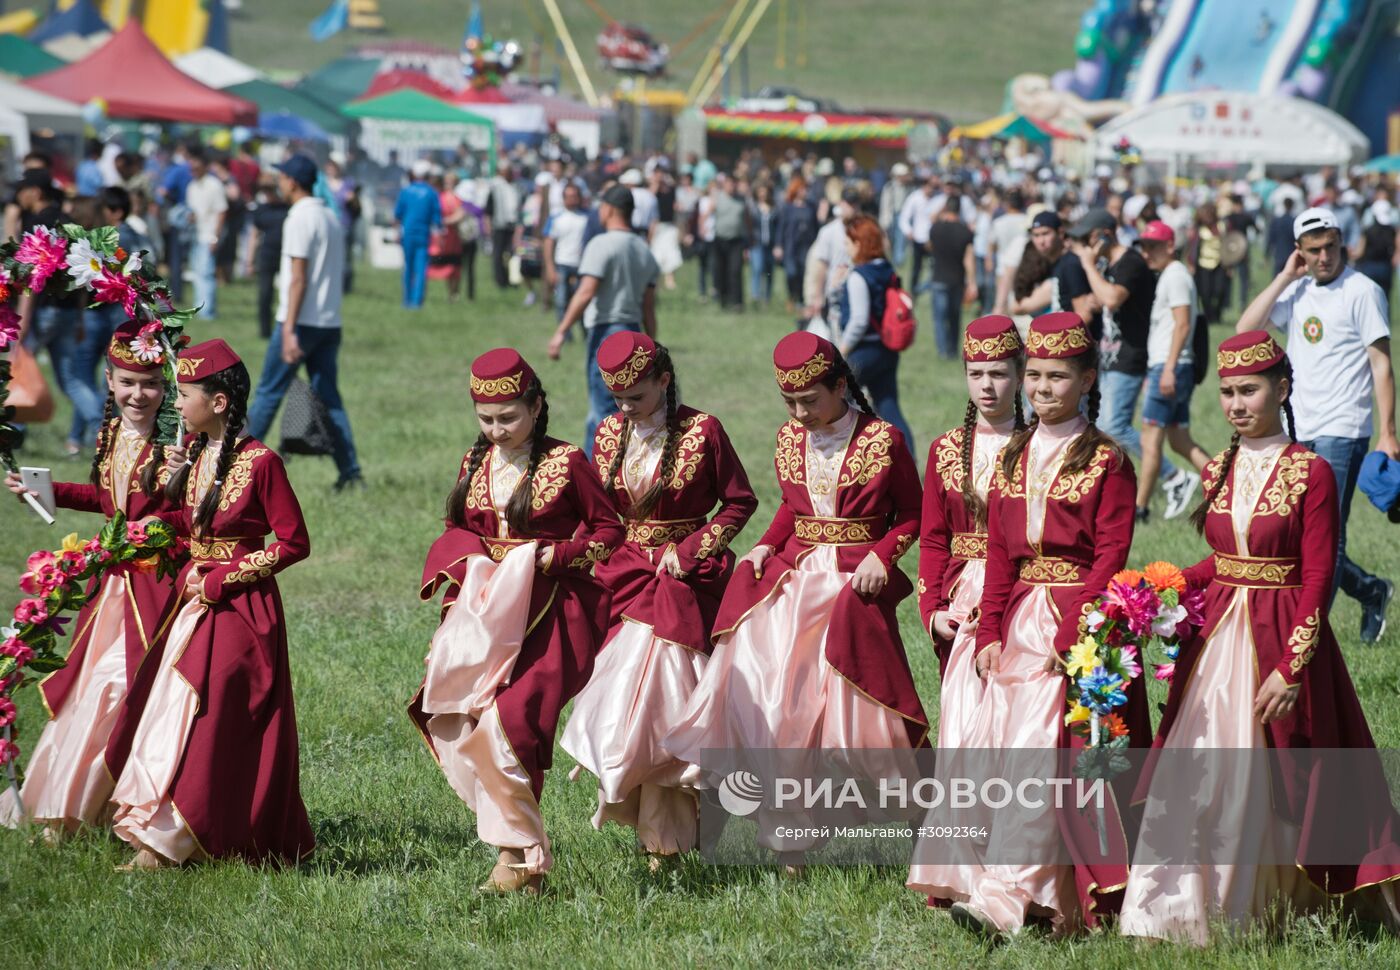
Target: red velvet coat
(571, 514)
(238, 785)
(1086, 539)
(148, 599)
(1288, 573)
(707, 472)
(878, 484)
(948, 536)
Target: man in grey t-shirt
(616, 291)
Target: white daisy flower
(84, 263)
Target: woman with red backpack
(862, 311)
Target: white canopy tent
(42, 110)
(14, 138)
(1235, 127)
(215, 68)
(529, 118)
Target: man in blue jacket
(417, 213)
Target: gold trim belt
(222, 550)
(654, 533)
(816, 530)
(497, 548)
(969, 545)
(1050, 571)
(1252, 573)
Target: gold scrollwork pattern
(869, 456)
(901, 545)
(1290, 482)
(715, 540)
(508, 386)
(1066, 342)
(1263, 572)
(188, 366)
(799, 377)
(1221, 503)
(818, 531)
(1049, 571)
(654, 533)
(1015, 487)
(922, 587)
(690, 450)
(626, 375)
(969, 545)
(790, 457)
(551, 475)
(255, 566)
(595, 553)
(991, 348)
(212, 548)
(1248, 357)
(239, 477)
(479, 494)
(947, 460)
(121, 349)
(1303, 642)
(606, 446)
(1073, 487)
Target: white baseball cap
(632, 177)
(1383, 212)
(1313, 219)
(422, 168)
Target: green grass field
(393, 882)
(950, 56)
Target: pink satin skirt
(146, 816)
(471, 656)
(66, 782)
(1181, 902)
(638, 690)
(961, 693)
(1020, 712)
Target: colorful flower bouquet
(54, 582)
(1139, 612)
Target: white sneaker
(1180, 491)
(530, 298)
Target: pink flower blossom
(43, 580)
(44, 251)
(136, 534)
(7, 711)
(110, 287)
(9, 325)
(31, 611)
(17, 649)
(72, 564)
(40, 559)
(1194, 602)
(1164, 671)
(152, 329)
(9, 751)
(1138, 605)
(1128, 662)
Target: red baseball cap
(1158, 231)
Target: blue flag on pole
(332, 22)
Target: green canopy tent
(273, 98)
(23, 58)
(343, 79)
(1383, 163)
(411, 122)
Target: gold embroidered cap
(1251, 352)
(625, 358)
(204, 360)
(500, 375)
(1055, 336)
(991, 338)
(801, 359)
(130, 349)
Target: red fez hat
(625, 358)
(801, 359)
(500, 375)
(132, 348)
(1250, 352)
(204, 360)
(1055, 336)
(991, 338)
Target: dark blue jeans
(56, 329)
(600, 401)
(321, 349)
(1345, 456)
(88, 355)
(947, 320)
(877, 369)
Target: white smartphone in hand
(40, 481)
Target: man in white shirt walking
(915, 220)
(311, 282)
(207, 201)
(1338, 337)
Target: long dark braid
(150, 478)
(175, 487)
(234, 383)
(1284, 369)
(843, 369)
(1011, 454)
(1020, 407)
(104, 439)
(976, 508)
(518, 509)
(1227, 461)
(457, 499)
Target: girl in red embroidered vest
(1060, 524)
(522, 615)
(807, 648)
(667, 466)
(1265, 672)
(66, 782)
(205, 752)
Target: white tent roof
(1239, 127)
(42, 110)
(15, 127)
(215, 68)
(511, 117)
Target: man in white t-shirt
(311, 281)
(829, 263)
(207, 200)
(1008, 245)
(563, 247)
(1338, 335)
